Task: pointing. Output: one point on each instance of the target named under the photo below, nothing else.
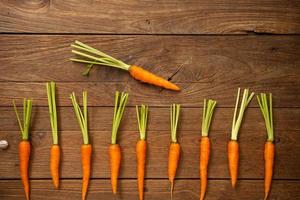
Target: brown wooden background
(209, 48)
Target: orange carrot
(24, 155)
(269, 153)
(205, 144)
(54, 164)
(174, 149)
(55, 148)
(24, 145)
(141, 147)
(86, 148)
(233, 146)
(93, 56)
(114, 148)
(115, 162)
(86, 156)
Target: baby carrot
(93, 56)
(269, 154)
(141, 146)
(174, 149)
(114, 148)
(55, 148)
(233, 145)
(24, 145)
(208, 110)
(86, 148)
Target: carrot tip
(171, 189)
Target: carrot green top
(120, 103)
(174, 116)
(142, 116)
(236, 123)
(24, 127)
(208, 110)
(82, 116)
(92, 56)
(267, 112)
(52, 110)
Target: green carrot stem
(236, 124)
(142, 116)
(120, 104)
(174, 116)
(267, 112)
(208, 110)
(52, 110)
(91, 55)
(24, 127)
(82, 116)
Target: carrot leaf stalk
(208, 110)
(142, 116)
(120, 103)
(237, 120)
(52, 110)
(174, 114)
(24, 127)
(81, 115)
(91, 56)
(266, 109)
(269, 152)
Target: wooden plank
(100, 119)
(191, 95)
(155, 190)
(262, 60)
(170, 17)
(251, 154)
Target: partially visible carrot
(55, 148)
(24, 145)
(208, 110)
(93, 56)
(269, 153)
(141, 147)
(174, 149)
(114, 148)
(233, 146)
(86, 148)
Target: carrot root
(115, 162)
(141, 148)
(233, 159)
(86, 155)
(269, 155)
(174, 155)
(204, 159)
(24, 156)
(54, 164)
(145, 76)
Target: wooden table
(209, 48)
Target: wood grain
(251, 154)
(164, 17)
(155, 190)
(100, 119)
(259, 60)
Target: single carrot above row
(92, 56)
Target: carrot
(174, 149)
(269, 154)
(233, 145)
(114, 148)
(55, 148)
(92, 56)
(24, 145)
(205, 144)
(86, 147)
(141, 147)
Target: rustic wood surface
(208, 48)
